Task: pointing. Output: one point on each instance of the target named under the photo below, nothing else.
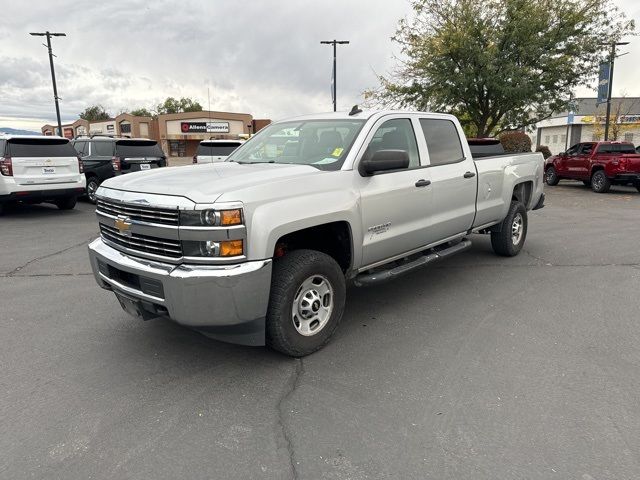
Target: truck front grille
(142, 243)
(164, 216)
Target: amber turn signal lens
(231, 217)
(231, 248)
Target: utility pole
(611, 61)
(335, 73)
(49, 34)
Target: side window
(80, 148)
(2, 147)
(573, 150)
(396, 134)
(443, 141)
(587, 148)
(102, 149)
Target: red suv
(597, 164)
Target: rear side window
(217, 149)
(30, 147)
(443, 141)
(102, 149)
(133, 148)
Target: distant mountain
(16, 131)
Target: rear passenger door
(453, 178)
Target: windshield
(321, 143)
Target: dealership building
(177, 133)
(586, 124)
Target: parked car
(259, 249)
(598, 164)
(210, 151)
(104, 157)
(36, 169)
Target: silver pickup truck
(259, 249)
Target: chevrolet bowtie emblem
(123, 224)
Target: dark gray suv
(105, 157)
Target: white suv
(36, 169)
(210, 151)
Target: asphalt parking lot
(478, 368)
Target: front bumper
(228, 302)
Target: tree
(498, 63)
(95, 113)
(172, 105)
(141, 112)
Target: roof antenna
(354, 111)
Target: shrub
(546, 153)
(515, 142)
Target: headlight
(211, 218)
(209, 248)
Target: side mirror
(383, 161)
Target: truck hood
(206, 183)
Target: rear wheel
(92, 186)
(306, 303)
(65, 203)
(599, 182)
(551, 176)
(513, 231)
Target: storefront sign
(204, 127)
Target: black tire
(504, 241)
(65, 203)
(587, 183)
(290, 273)
(2, 209)
(551, 176)
(92, 185)
(599, 182)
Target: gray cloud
(261, 57)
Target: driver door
(395, 205)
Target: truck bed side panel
(497, 178)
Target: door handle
(423, 183)
(469, 175)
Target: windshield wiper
(250, 163)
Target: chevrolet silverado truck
(598, 164)
(259, 249)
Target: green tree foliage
(141, 112)
(515, 142)
(546, 153)
(499, 63)
(173, 105)
(95, 113)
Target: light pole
(335, 75)
(611, 61)
(49, 34)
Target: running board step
(366, 279)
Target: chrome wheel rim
(550, 175)
(517, 227)
(312, 305)
(91, 190)
(598, 181)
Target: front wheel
(551, 176)
(66, 203)
(599, 182)
(509, 240)
(92, 186)
(306, 304)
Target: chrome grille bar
(163, 216)
(143, 243)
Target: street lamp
(335, 81)
(49, 34)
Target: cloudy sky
(261, 57)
